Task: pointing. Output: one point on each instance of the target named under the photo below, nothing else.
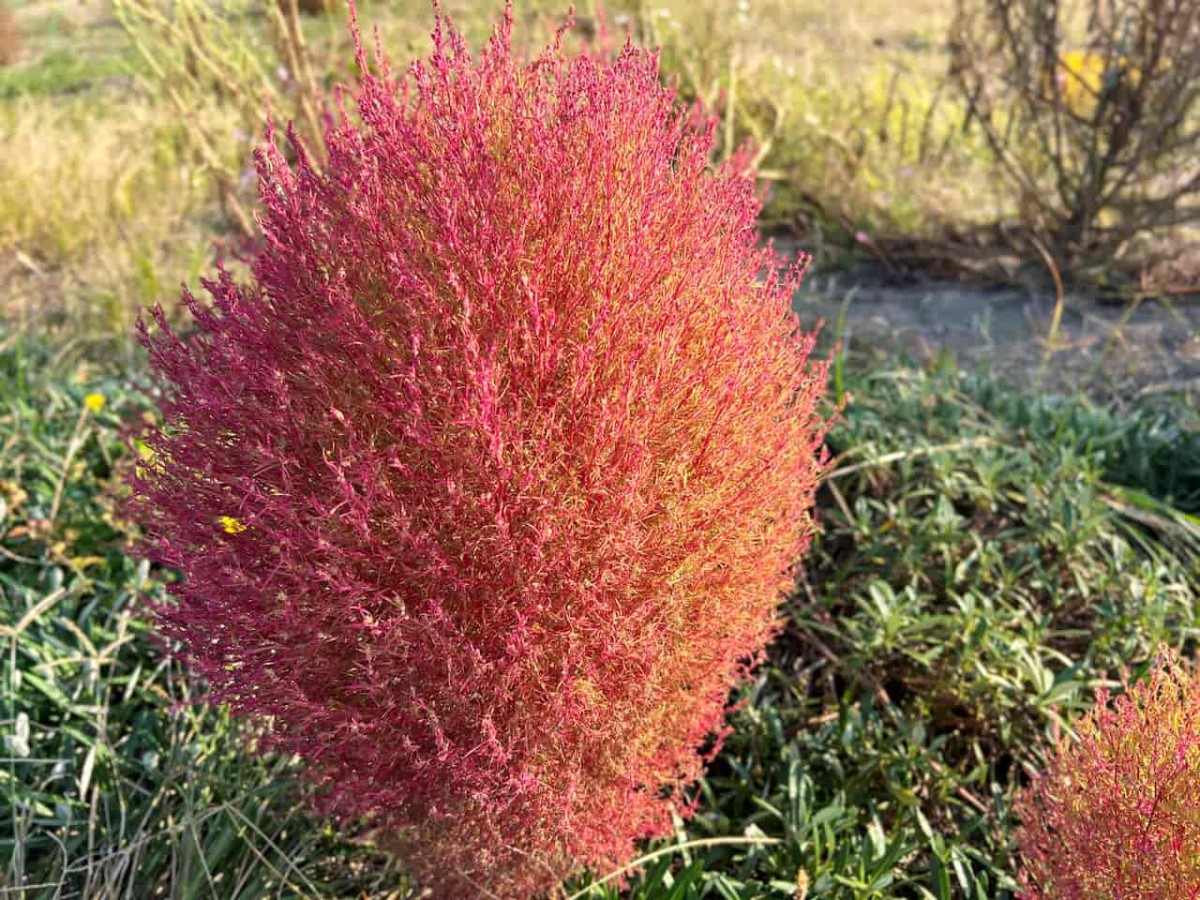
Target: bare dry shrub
(1092, 110)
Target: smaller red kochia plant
(1116, 813)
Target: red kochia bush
(486, 488)
(1116, 814)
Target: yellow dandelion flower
(230, 525)
(94, 402)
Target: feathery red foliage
(1116, 814)
(487, 488)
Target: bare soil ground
(1112, 352)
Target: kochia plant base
(486, 487)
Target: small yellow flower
(94, 402)
(230, 525)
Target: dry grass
(859, 133)
(101, 213)
(112, 201)
(104, 208)
(850, 104)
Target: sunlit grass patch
(857, 132)
(102, 211)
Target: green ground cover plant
(976, 580)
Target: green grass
(989, 558)
(113, 781)
(61, 72)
